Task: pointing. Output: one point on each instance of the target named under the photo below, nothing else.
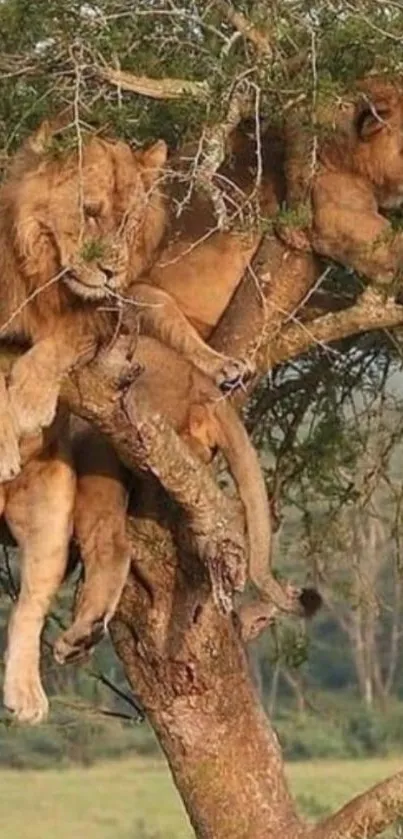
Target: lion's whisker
(132, 300)
(31, 297)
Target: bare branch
(154, 88)
(214, 150)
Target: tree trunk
(193, 678)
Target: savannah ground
(135, 798)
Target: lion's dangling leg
(100, 529)
(38, 510)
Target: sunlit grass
(136, 799)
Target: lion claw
(77, 642)
(234, 373)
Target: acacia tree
(191, 71)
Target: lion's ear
(41, 139)
(153, 160)
(372, 118)
(155, 157)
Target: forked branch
(240, 22)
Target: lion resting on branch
(58, 264)
(201, 421)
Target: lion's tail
(246, 470)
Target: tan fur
(194, 406)
(359, 174)
(43, 230)
(38, 508)
(91, 224)
(200, 267)
(201, 276)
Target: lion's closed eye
(92, 210)
(93, 216)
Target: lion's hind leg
(100, 530)
(38, 511)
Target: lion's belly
(202, 278)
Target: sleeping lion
(77, 228)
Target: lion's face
(378, 123)
(90, 216)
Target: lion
(194, 406)
(358, 176)
(38, 507)
(359, 173)
(66, 230)
(51, 285)
(75, 231)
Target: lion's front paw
(233, 373)
(33, 403)
(25, 698)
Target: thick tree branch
(258, 318)
(191, 672)
(371, 311)
(366, 815)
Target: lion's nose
(108, 274)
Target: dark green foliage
(51, 54)
(349, 732)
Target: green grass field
(135, 799)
